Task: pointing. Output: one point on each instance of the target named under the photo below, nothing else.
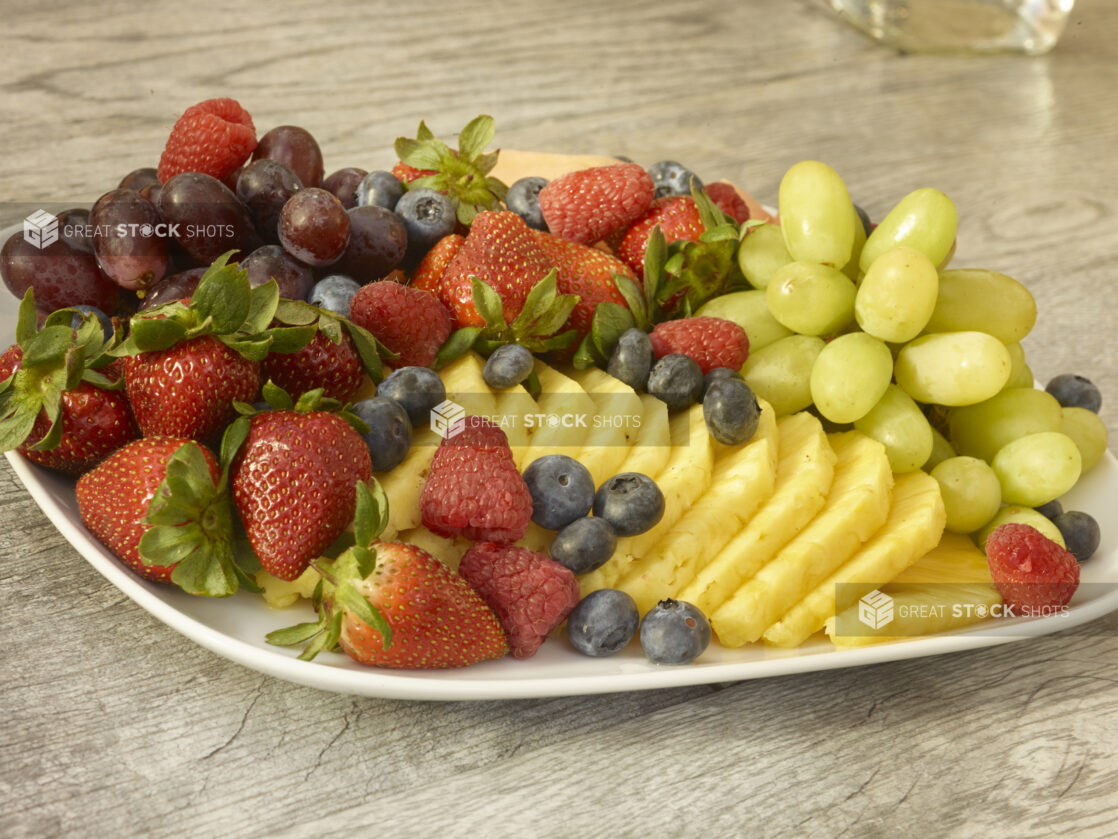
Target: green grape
(761, 252)
(1037, 468)
(817, 217)
(898, 424)
(897, 295)
(1088, 432)
(971, 492)
(925, 220)
(953, 368)
(852, 269)
(1020, 375)
(980, 430)
(850, 375)
(983, 301)
(941, 450)
(1017, 514)
(811, 298)
(781, 372)
(750, 311)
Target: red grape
(314, 227)
(206, 217)
(295, 148)
(128, 240)
(61, 274)
(343, 184)
(272, 262)
(377, 243)
(264, 186)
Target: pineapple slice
(612, 429)
(512, 405)
(685, 477)
(744, 477)
(803, 479)
(404, 484)
(560, 397)
(652, 446)
(948, 588)
(280, 594)
(856, 506)
(913, 528)
(447, 551)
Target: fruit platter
(502, 424)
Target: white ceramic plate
(235, 628)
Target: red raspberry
(473, 488)
(530, 593)
(430, 271)
(678, 219)
(1033, 574)
(214, 137)
(588, 205)
(711, 342)
(409, 321)
(728, 201)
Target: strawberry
(530, 593)
(429, 274)
(389, 604)
(587, 272)
(711, 342)
(727, 199)
(409, 321)
(473, 488)
(501, 251)
(330, 364)
(589, 205)
(64, 408)
(406, 174)
(160, 505)
(214, 137)
(293, 484)
(1034, 575)
(677, 217)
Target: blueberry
(717, 373)
(1080, 532)
(674, 632)
(523, 198)
(671, 178)
(631, 502)
(105, 320)
(1052, 509)
(389, 434)
(334, 293)
(428, 216)
(584, 545)
(867, 225)
(417, 389)
(731, 411)
(508, 366)
(603, 622)
(632, 358)
(1073, 391)
(379, 189)
(676, 380)
(562, 490)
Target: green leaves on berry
(463, 176)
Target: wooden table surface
(117, 726)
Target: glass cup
(961, 26)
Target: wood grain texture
(117, 726)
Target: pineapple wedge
(685, 477)
(652, 446)
(913, 528)
(856, 506)
(948, 588)
(744, 477)
(512, 405)
(447, 551)
(612, 430)
(803, 479)
(560, 397)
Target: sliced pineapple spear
(684, 478)
(652, 446)
(561, 399)
(803, 478)
(948, 588)
(744, 477)
(913, 528)
(612, 427)
(856, 506)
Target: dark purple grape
(151, 193)
(175, 287)
(61, 275)
(377, 244)
(74, 229)
(314, 227)
(343, 184)
(129, 239)
(295, 148)
(137, 179)
(206, 218)
(264, 186)
(271, 262)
